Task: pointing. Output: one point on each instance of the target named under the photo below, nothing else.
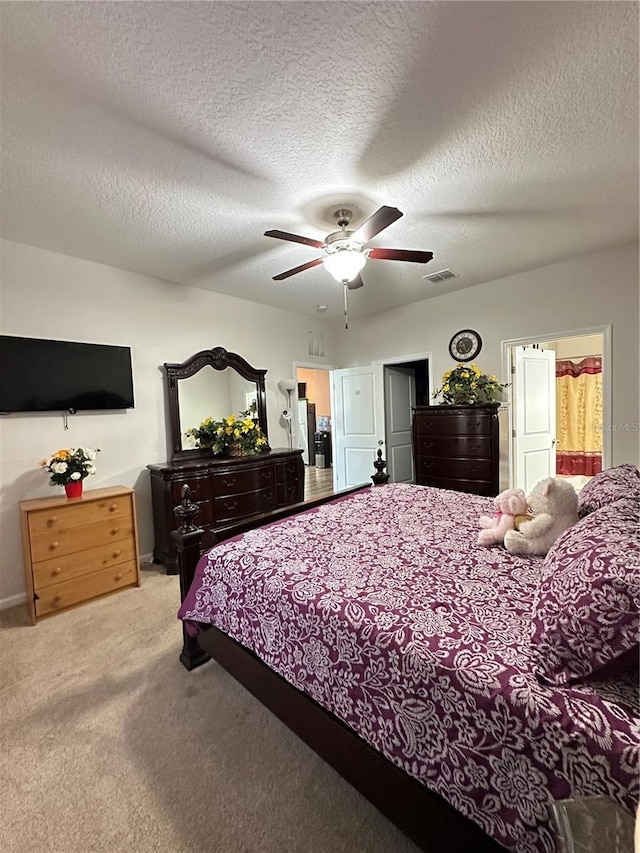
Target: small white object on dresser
(78, 549)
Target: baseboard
(13, 601)
(146, 558)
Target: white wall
(48, 295)
(44, 294)
(591, 290)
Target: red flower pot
(73, 489)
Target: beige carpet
(108, 744)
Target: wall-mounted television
(38, 375)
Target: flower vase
(73, 489)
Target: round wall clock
(465, 345)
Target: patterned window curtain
(579, 416)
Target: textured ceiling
(165, 138)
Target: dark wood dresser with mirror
(228, 489)
(457, 447)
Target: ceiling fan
(346, 252)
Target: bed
(462, 689)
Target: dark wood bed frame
(425, 817)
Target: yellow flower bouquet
(238, 435)
(467, 384)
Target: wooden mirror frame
(219, 359)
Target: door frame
(306, 365)
(400, 359)
(607, 382)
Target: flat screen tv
(39, 375)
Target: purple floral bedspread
(382, 607)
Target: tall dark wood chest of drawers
(227, 490)
(457, 447)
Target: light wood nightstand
(78, 549)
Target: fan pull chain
(346, 318)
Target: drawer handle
(57, 598)
(231, 505)
(54, 545)
(229, 483)
(268, 495)
(52, 520)
(117, 553)
(56, 571)
(428, 444)
(115, 530)
(266, 475)
(113, 507)
(119, 576)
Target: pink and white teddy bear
(554, 504)
(508, 504)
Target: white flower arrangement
(70, 464)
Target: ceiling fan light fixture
(344, 264)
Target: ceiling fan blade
(295, 238)
(355, 283)
(301, 268)
(400, 255)
(377, 222)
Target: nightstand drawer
(69, 566)
(46, 545)
(71, 516)
(61, 595)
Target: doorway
(313, 425)
(372, 409)
(559, 433)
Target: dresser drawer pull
(230, 505)
(54, 545)
(266, 475)
(52, 520)
(57, 598)
(268, 495)
(56, 571)
(115, 530)
(119, 576)
(117, 553)
(229, 483)
(428, 444)
(113, 507)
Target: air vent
(315, 344)
(442, 275)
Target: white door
(535, 416)
(399, 400)
(357, 405)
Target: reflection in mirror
(212, 393)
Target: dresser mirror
(212, 383)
